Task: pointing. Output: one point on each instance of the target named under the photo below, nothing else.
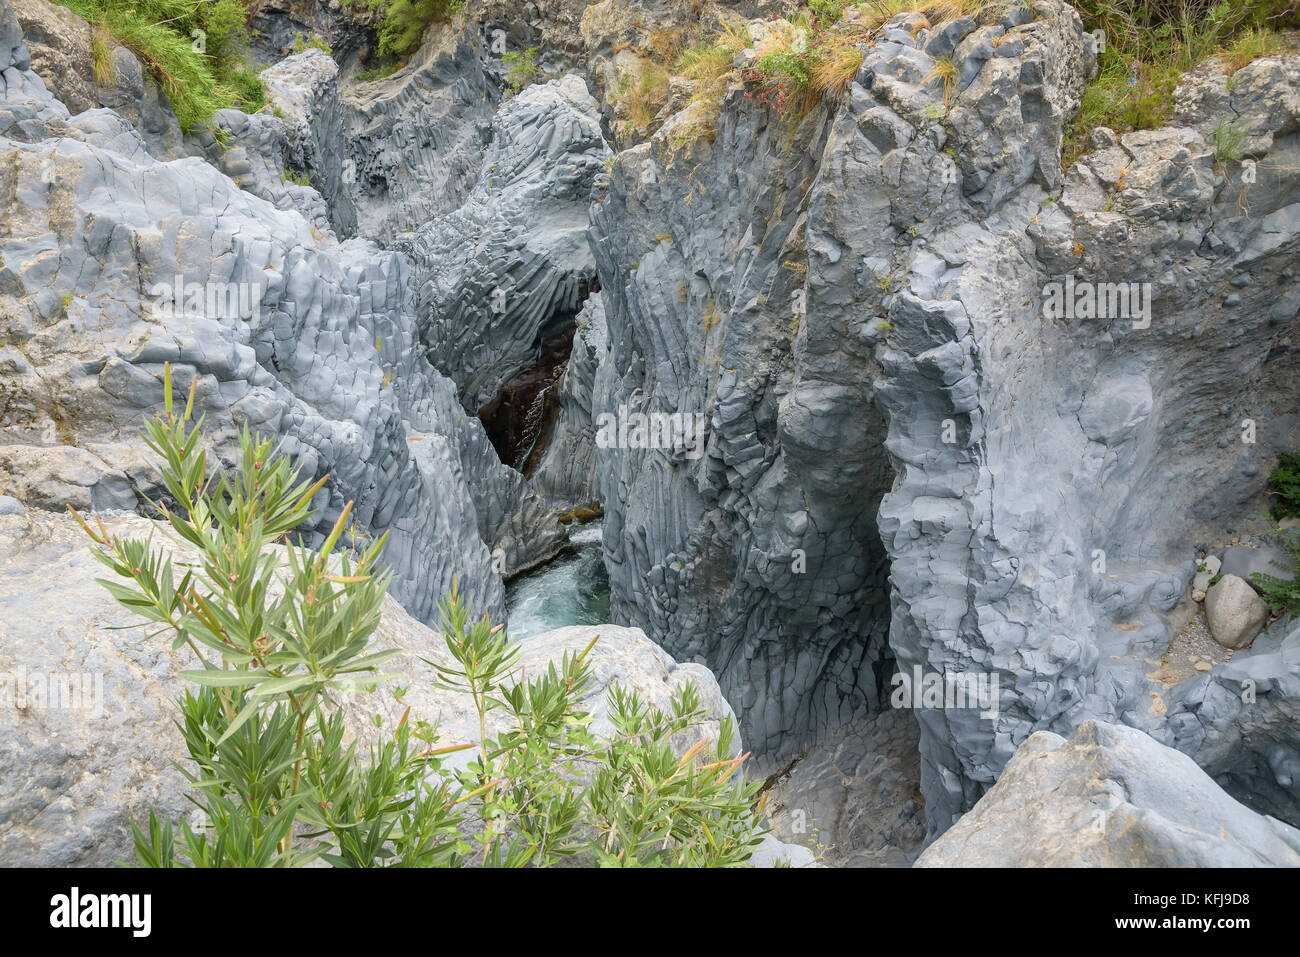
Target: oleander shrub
(279, 628)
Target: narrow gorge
(829, 400)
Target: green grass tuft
(405, 21)
(301, 44)
(380, 72)
(195, 51)
(1151, 43)
(1229, 142)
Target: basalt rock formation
(415, 140)
(964, 410)
(911, 462)
(304, 89)
(400, 149)
(565, 474)
(294, 333)
(510, 269)
(346, 28)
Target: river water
(572, 589)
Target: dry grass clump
(1250, 46)
(945, 71)
(642, 94)
(836, 71)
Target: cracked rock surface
(974, 485)
(1110, 797)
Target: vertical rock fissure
(518, 416)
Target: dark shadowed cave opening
(519, 417)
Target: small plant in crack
(945, 71)
(1229, 141)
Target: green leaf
(369, 662)
(220, 678)
(283, 685)
(245, 713)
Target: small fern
(1284, 485)
(1282, 594)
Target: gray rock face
(285, 329)
(879, 314)
(13, 48)
(347, 28)
(1110, 797)
(113, 263)
(566, 475)
(1266, 559)
(748, 299)
(256, 158)
(416, 139)
(1241, 722)
(518, 525)
(1234, 612)
(390, 154)
(509, 270)
(855, 795)
(736, 557)
(26, 106)
(305, 90)
(59, 476)
(78, 773)
(59, 44)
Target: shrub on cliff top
(1149, 44)
(405, 21)
(278, 632)
(195, 51)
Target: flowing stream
(570, 590)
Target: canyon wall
(293, 333)
(899, 461)
(855, 301)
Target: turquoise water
(570, 590)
